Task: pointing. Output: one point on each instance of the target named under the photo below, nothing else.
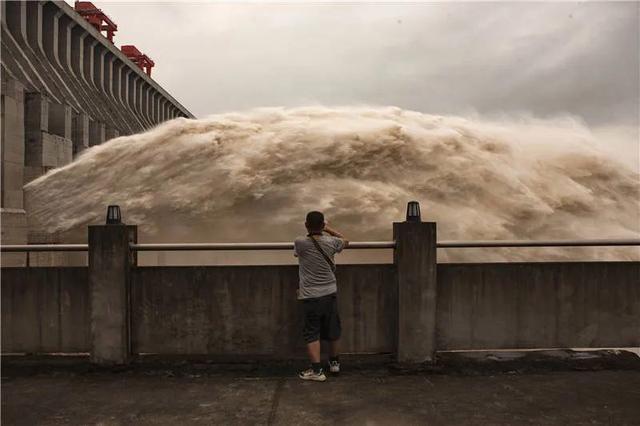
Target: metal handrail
(540, 243)
(353, 245)
(43, 247)
(250, 246)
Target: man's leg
(311, 334)
(334, 348)
(313, 349)
(315, 373)
(334, 358)
(334, 331)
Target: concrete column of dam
(133, 78)
(96, 65)
(60, 120)
(154, 107)
(138, 102)
(145, 105)
(97, 132)
(80, 136)
(116, 77)
(14, 220)
(107, 66)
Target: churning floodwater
(252, 177)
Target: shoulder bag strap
(331, 264)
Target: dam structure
(65, 87)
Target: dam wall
(65, 87)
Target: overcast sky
(540, 58)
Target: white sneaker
(334, 367)
(312, 375)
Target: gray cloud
(540, 58)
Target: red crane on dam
(140, 59)
(97, 18)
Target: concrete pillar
(49, 30)
(89, 60)
(36, 113)
(155, 108)
(132, 92)
(64, 42)
(108, 73)
(416, 264)
(38, 153)
(138, 101)
(15, 15)
(98, 53)
(60, 120)
(12, 143)
(152, 107)
(12, 214)
(97, 133)
(34, 25)
(116, 78)
(145, 103)
(110, 264)
(161, 110)
(80, 133)
(76, 51)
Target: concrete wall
(253, 310)
(45, 310)
(538, 305)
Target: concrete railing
(414, 307)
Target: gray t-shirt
(316, 277)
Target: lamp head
(113, 215)
(413, 212)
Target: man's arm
(336, 234)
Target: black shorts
(321, 319)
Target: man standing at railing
(317, 291)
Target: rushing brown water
(252, 176)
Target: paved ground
(361, 397)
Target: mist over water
(252, 177)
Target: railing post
(416, 264)
(110, 262)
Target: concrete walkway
(358, 398)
